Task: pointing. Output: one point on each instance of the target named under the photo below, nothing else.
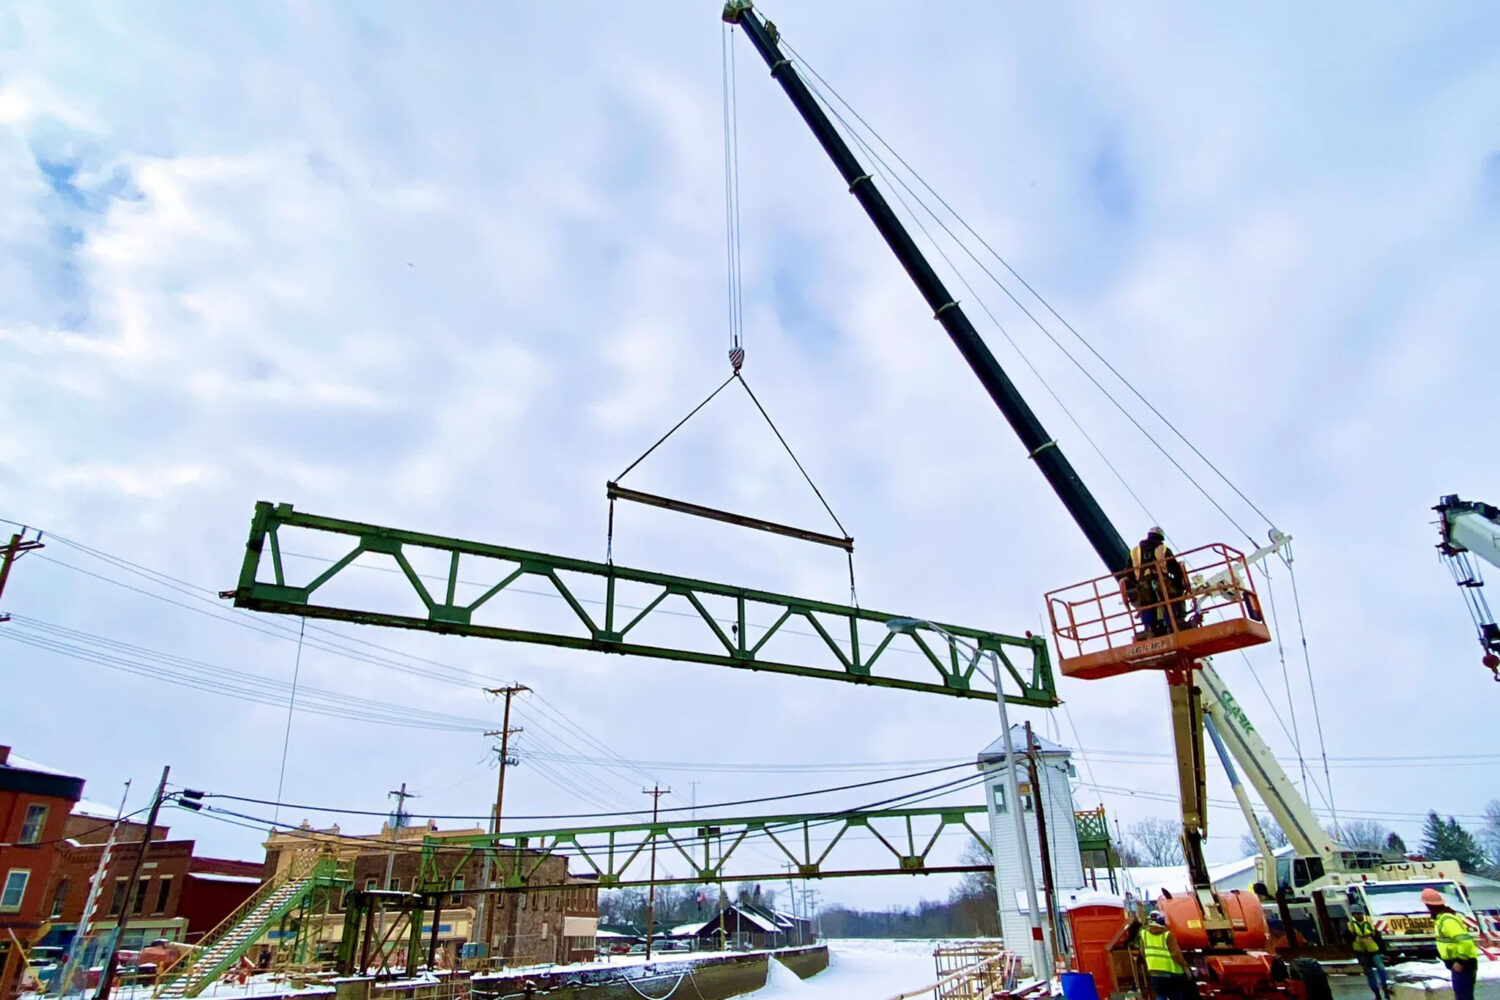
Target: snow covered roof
(26, 764)
(1044, 747)
(686, 930)
(93, 810)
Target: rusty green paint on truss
(955, 672)
(708, 845)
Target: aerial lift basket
(1099, 633)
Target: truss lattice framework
(709, 845)
(736, 638)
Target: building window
(31, 827)
(163, 890)
(117, 902)
(370, 885)
(998, 793)
(395, 885)
(59, 898)
(140, 895)
(458, 884)
(15, 888)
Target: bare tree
(1274, 836)
(1362, 835)
(1157, 841)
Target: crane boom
(1040, 447)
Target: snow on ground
(1437, 974)
(858, 969)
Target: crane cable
(735, 289)
(1032, 316)
(732, 200)
(816, 85)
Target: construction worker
(1165, 965)
(1155, 577)
(1369, 948)
(1455, 944)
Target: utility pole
(13, 551)
(656, 793)
(400, 795)
(1049, 890)
(131, 888)
(482, 908)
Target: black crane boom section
(1081, 504)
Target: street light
(1039, 965)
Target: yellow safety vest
(1363, 933)
(1157, 950)
(1454, 939)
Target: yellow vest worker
(1164, 963)
(1365, 942)
(1455, 944)
(1454, 939)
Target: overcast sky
(452, 267)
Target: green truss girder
(708, 846)
(608, 628)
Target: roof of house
(1044, 747)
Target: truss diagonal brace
(853, 657)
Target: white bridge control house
(1054, 767)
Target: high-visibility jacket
(1156, 948)
(1454, 939)
(1363, 933)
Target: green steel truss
(737, 634)
(617, 855)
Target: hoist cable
(731, 191)
(1312, 690)
(1286, 677)
(882, 169)
(1040, 326)
(661, 440)
(853, 597)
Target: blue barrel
(1079, 986)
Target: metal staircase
(223, 946)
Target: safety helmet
(1431, 897)
(1155, 531)
(1158, 918)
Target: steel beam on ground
(853, 657)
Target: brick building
(554, 920)
(180, 896)
(34, 807)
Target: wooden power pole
(1049, 889)
(112, 962)
(656, 793)
(13, 551)
(487, 927)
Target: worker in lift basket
(1369, 948)
(1164, 962)
(1455, 944)
(1156, 576)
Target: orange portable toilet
(1094, 925)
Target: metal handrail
(302, 866)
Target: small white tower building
(1054, 767)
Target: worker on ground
(1455, 944)
(1155, 577)
(1369, 948)
(1164, 962)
